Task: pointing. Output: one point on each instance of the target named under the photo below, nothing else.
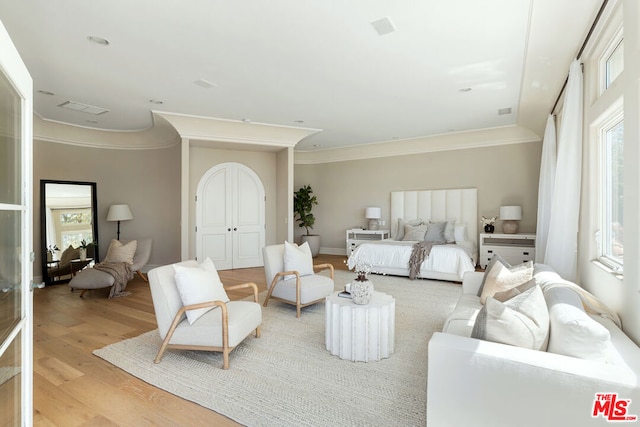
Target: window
(614, 65)
(612, 194)
(73, 225)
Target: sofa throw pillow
(69, 254)
(118, 252)
(572, 331)
(497, 259)
(522, 321)
(510, 293)
(401, 223)
(500, 278)
(435, 232)
(197, 285)
(298, 258)
(414, 232)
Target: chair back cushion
(143, 253)
(165, 295)
(273, 261)
(197, 285)
(298, 258)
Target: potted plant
(303, 201)
(83, 249)
(50, 250)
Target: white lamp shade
(119, 213)
(510, 213)
(373, 213)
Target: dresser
(355, 236)
(514, 248)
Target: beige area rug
(288, 378)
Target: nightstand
(355, 236)
(514, 248)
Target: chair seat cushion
(312, 288)
(244, 317)
(90, 278)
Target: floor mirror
(68, 228)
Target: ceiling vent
(504, 111)
(89, 109)
(204, 83)
(383, 26)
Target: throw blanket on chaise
(419, 253)
(121, 272)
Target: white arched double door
(230, 217)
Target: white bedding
(446, 262)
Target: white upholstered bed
(445, 262)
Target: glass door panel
(10, 272)
(10, 384)
(16, 254)
(10, 137)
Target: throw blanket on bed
(121, 272)
(419, 253)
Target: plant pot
(314, 243)
(361, 291)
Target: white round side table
(361, 333)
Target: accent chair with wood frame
(220, 329)
(291, 286)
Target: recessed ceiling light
(465, 89)
(156, 101)
(316, 145)
(98, 40)
(298, 121)
(46, 92)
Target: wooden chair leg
(258, 332)
(84, 291)
(142, 276)
(163, 347)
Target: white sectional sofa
(473, 382)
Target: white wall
(147, 180)
(504, 174)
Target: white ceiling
(313, 64)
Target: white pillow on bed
(401, 223)
(414, 232)
(460, 233)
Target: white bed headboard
(460, 204)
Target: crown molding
(235, 131)
(160, 135)
(428, 144)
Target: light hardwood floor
(72, 387)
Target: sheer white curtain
(562, 240)
(545, 187)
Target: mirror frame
(43, 226)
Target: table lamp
(373, 214)
(510, 216)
